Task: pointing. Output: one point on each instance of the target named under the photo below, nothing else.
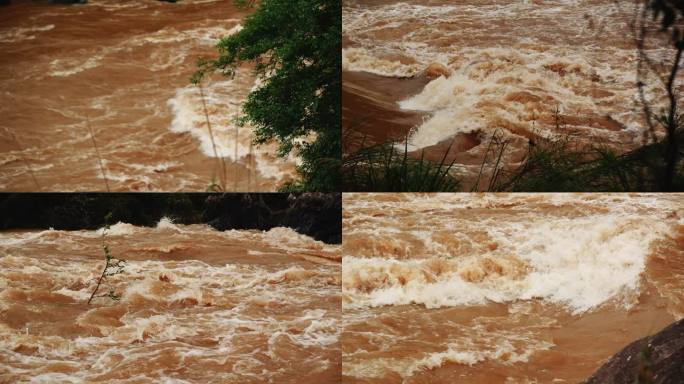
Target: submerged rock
(657, 359)
(436, 70)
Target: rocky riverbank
(657, 359)
(314, 214)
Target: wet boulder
(318, 215)
(436, 70)
(657, 359)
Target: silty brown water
(197, 306)
(520, 288)
(125, 66)
(523, 70)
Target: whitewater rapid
(129, 76)
(435, 285)
(195, 305)
(515, 71)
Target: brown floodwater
(519, 71)
(197, 306)
(504, 288)
(125, 66)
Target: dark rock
(318, 215)
(657, 359)
(5, 2)
(70, 1)
(244, 211)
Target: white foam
(224, 100)
(224, 103)
(161, 167)
(68, 67)
(577, 263)
(501, 348)
(402, 40)
(14, 35)
(166, 223)
(118, 229)
(469, 356)
(81, 295)
(295, 242)
(360, 59)
(54, 377)
(163, 59)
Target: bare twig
(251, 167)
(219, 160)
(97, 152)
(235, 159)
(113, 266)
(23, 159)
(495, 172)
(670, 121)
(237, 136)
(493, 140)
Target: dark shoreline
(318, 215)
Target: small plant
(383, 168)
(113, 266)
(495, 151)
(645, 373)
(214, 186)
(294, 46)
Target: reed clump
(385, 168)
(564, 164)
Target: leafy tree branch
(295, 46)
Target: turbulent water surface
(523, 69)
(125, 66)
(197, 306)
(450, 288)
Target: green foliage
(563, 165)
(644, 372)
(87, 210)
(382, 168)
(113, 266)
(296, 47)
(214, 187)
(672, 13)
(242, 4)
